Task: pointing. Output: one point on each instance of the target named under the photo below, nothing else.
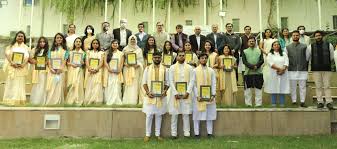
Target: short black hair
(156, 53)
(105, 22)
(295, 31)
(179, 26)
(141, 24)
(298, 28)
(229, 24)
(252, 37)
(202, 55)
(319, 32)
(180, 51)
(247, 26)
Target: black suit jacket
(194, 43)
(117, 34)
(219, 39)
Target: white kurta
(38, 93)
(113, 92)
(210, 112)
(278, 84)
(185, 106)
(335, 58)
(152, 108)
(266, 69)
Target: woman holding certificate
(169, 57)
(57, 56)
(190, 57)
(227, 79)
(279, 83)
(113, 77)
(17, 55)
(39, 73)
(149, 49)
(132, 71)
(94, 74)
(76, 74)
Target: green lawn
(242, 142)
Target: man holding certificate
(204, 107)
(155, 84)
(181, 85)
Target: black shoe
(294, 103)
(320, 105)
(197, 136)
(210, 136)
(303, 105)
(174, 137)
(329, 106)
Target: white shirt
(141, 35)
(198, 40)
(70, 40)
(214, 34)
(123, 37)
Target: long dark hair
(187, 42)
(86, 33)
(148, 47)
(221, 49)
(64, 42)
(166, 51)
(110, 51)
(281, 33)
(99, 45)
(38, 48)
(212, 47)
(82, 45)
(16, 35)
(264, 33)
(272, 50)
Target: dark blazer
(219, 39)
(117, 34)
(141, 43)
(194, 43)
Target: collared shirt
(198, 40)
(216, 46)
(141, 35)
(105, 39)
(160, 38)
(123, 37)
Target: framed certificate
(149, 58)
(56, 63)
(131, 58)
(205, 93)
(17, 58)
(114, 64)
(168, 60)
(188, 57)
(94, 63)
(181, 88)
(157, 88)
(40, 63)
(227, 62)
(77, 58)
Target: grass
(230, 142)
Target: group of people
(181, 74)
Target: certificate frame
(41, 62)
(205, 93)
(56, 63)
(189, 57)
(157, 88)
(74, 59)
(167, 60)
(227, 61)
(115, 63)
(181, 88)
(149, 57)
(94, 63)
(17, 58)
(133, 57)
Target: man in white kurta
(154, 105)
(180, 103)
(204, 111)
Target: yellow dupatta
(151, 76)
(55, 54)
(35, 73)
(16, 72)
(222, 75)
(176, 103)
(200, 75)
(119, 56)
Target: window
(236, 25)
(29, 2)
(189, 22)
(146, 27)
(65, 28)
(284, 22)
(28, 30)
(335, 22)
